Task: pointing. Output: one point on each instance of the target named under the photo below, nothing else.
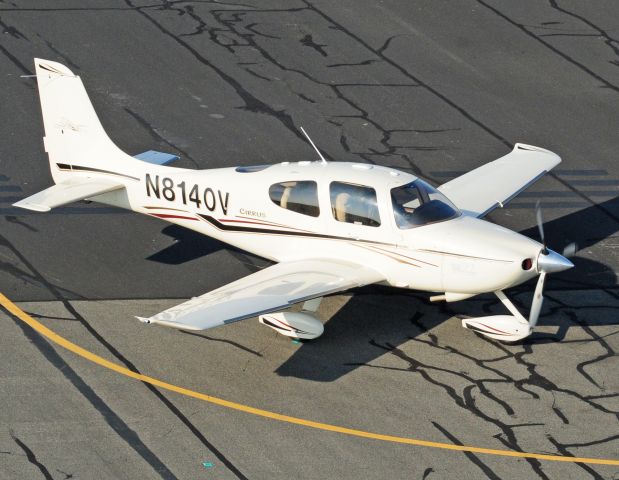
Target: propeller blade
(570, 250)
(540, 223)
(538, 300)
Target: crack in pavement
(466, 401)
(471, 456)
(114, 421)
(252, 103)
(31, 456)
(158, 137)
(234, 31)
(232, 20)
(128, 435)
(548, 45)
(477, 389)
(613, 43)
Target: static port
(527, 263)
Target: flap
(272, 289)
(67, 192)
(493, 185)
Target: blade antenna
(312, 143)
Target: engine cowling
(301, 325)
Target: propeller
(548, 261)
(570, 250)
(540, 226)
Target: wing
(274, 288)
(482, 190)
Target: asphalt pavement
(435, 88)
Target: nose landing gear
(508, 328)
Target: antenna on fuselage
(312, 143)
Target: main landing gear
(301, 325)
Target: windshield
(418, 203)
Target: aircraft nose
(552, 262)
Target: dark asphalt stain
(427, 472)
(222, 340)
(308, 41)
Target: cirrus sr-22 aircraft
(330, 226)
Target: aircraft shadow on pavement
(189, 245)
(377, 318)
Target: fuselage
(338, 210)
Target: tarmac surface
(435, 88)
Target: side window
(352, 203)
(300, 197)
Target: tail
(74, 136)
(84, 162)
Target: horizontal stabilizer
(67, 192)
(157, 158)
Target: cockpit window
(354, 204)
(418, 203)
(298, 196)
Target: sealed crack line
(15, 311)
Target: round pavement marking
(63, 342)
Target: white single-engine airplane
(330, 226)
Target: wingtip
(143, 319)
(523, 147)
(35, 207)
(51, 67)
(532, 148)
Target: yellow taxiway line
(63, 342)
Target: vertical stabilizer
(73, 132)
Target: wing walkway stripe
(63, 342)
